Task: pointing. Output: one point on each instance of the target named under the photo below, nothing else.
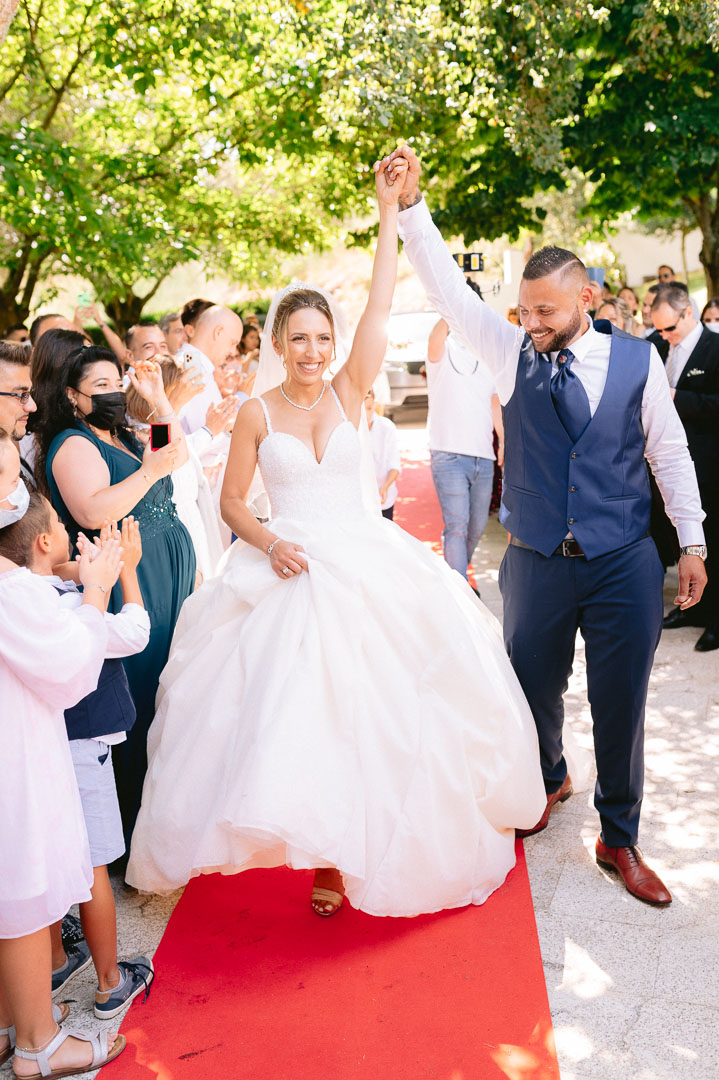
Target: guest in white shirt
(385, 451)
(216, 334)
(461, 442)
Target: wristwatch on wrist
(694, 549)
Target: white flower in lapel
(695, 371)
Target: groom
(584, 405)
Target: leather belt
(570, 549)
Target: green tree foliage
(646, 131)
(136, 135)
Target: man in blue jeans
(461, 430)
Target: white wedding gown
(363, 715)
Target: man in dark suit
(693, 372)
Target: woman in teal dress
(96, 470)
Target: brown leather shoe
(639, 879)
(560, 795)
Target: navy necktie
(569, 396)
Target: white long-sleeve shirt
(496, 342)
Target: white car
(406, 360)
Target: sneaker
(71, 931)
(78, 958)
(136, 975)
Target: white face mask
(713, 326)
(19, 500)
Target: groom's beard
(561, 338)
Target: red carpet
(251, 985)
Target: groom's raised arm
(491, 338)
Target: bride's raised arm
(370, 341)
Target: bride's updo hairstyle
(296, 300)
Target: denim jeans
(464, 489)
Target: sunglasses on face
(669, 329)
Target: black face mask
(108, 410)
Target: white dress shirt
(497, 343)
(460, 391)
(385, 453)
(679, 355)
(128, 632)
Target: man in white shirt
(461, 443)
(217, 334)
(582, 411)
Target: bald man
(585, 406)
(217, 333)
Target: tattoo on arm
(405, 203)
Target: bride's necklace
(305, 408)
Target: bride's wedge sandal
(324, 898)
(59, 1013)
(100, 1053)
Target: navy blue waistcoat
(596, 488)
(106, 710)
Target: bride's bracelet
(271, 547)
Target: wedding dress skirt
(362, 715)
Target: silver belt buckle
(567, 551)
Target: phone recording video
(159, 436)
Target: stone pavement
(634, 991)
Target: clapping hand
(221, 417)
(146, 377)
(190, 384)
(131, 543)
(102, 567)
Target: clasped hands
(401, 167)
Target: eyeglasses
(23, 396)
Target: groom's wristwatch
(694, 549)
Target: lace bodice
(301, 487)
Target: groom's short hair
(549, 259)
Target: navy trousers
(615, 601)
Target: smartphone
(159, 436)
(84, 299)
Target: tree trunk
(126, 310)
(709, 256)
(10, 310)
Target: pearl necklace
(305, 408)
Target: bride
(337, 699)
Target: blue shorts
(96, 780)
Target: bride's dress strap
(343, 414)
(267, 413)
